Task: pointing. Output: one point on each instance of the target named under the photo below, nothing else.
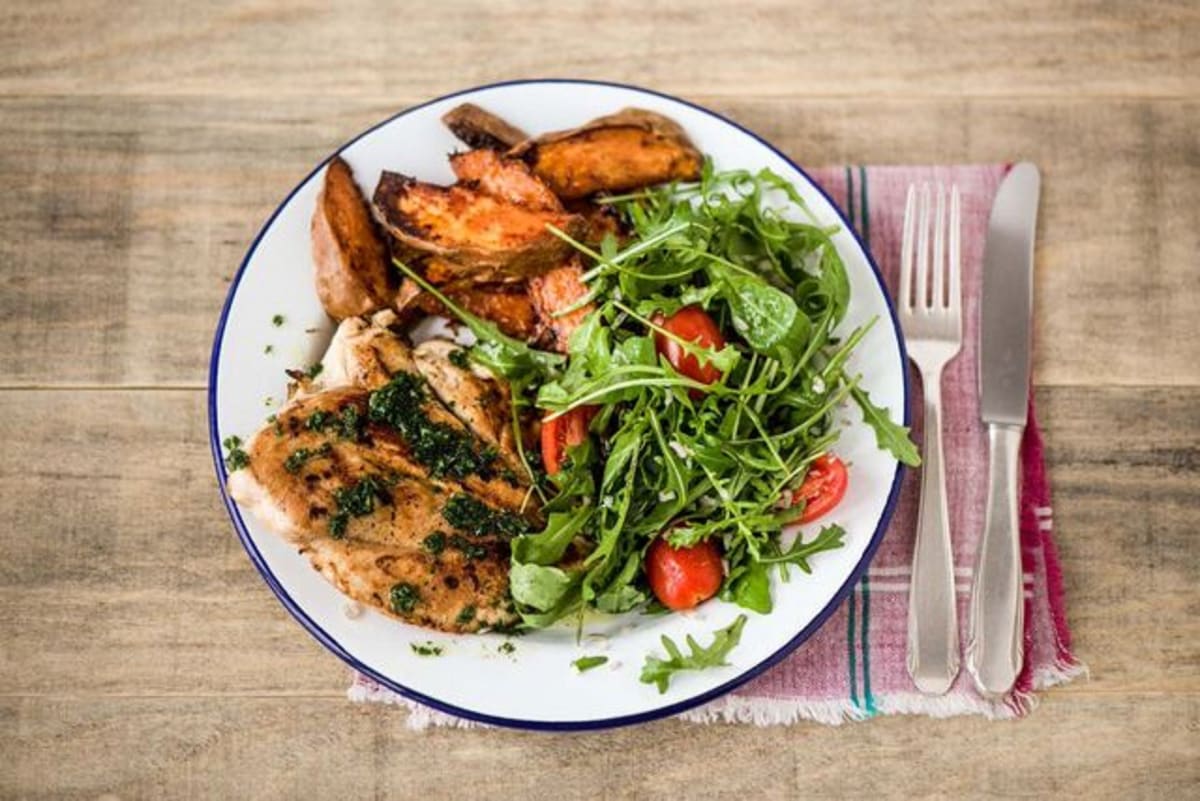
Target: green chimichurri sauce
(445, 450)
(474, 517)
(356, 500)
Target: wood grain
(1131, 747)
(141, 147)
(773, 47)
(128, 216)
(142, 579)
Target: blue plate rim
(332, 645)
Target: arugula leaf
(586, 663)
(548, 546)
(621, 595)
(752, 589)
(889, 436)
(828, 538)
(766, 317)
(540, 587)
(659, 671)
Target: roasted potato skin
(498, 240)
(554, 291)
(349, 255)
(509, 306)
(479, 128)
(627, 150)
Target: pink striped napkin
(854, 667)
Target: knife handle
(932, 652)
(995, 643)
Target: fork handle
(995, 644)
(932, 652)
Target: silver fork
(931, 316)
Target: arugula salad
(692, 418)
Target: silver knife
(995, 642)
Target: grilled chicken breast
(395, 476)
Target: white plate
(535, 686)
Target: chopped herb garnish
(277, 320)
(506, 647)
(314, 369)
(460, 359)
(350, 424)
(471, 515)
(586, 663)
(299, 457)
(426, 649)
(404, 597)
(469, 549)
(269, 349)
(466, 615)
(444, 449)
(356, 500)
(435, 543)
(319, 420)
(235, 458)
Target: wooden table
(142, 147)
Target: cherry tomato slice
(683, 578)
(564, 432)
(691, 324)
(823, 487)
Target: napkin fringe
(788, 711)
(420, 717)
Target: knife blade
(995, 640)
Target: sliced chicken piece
(497, 240)
(507, 179)
(481, 129)
(353, 275)
(364, 353)
(627, 150)
(481, 402)
(555, 291)
(448, 590)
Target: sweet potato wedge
(504, 178)
(498, 239)
(507, 305)
(554, 291)
(481, 129)
(600, 222)
(627, 150)
(349, 255)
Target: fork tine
(906, 249)
(922, 265)
(938, 300)
(955, 265)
